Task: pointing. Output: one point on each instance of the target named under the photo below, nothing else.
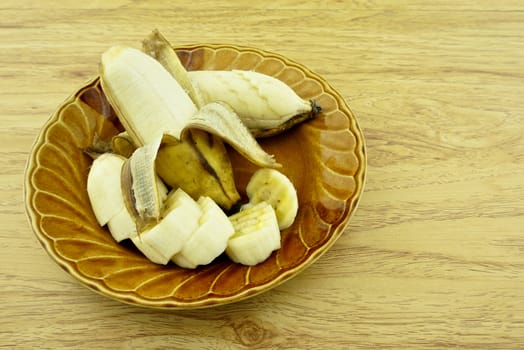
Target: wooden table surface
(433, 257)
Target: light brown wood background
(432, 259)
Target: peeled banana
(149, 102)
(180, 218)
(266, 105)
(256, 234)
(113, 190)
(190, 233)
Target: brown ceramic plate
(325, 158)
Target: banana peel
(198, 172)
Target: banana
(158, 47)
(178, 196)
(219, 118)
(149, 102)
(103, 187)
(209, 240)
(122, 225)
(169, 235)
(123, 144)
(189, 233)
(256, 235)
(275, 188)
(111, 196)
(208, 148)
(149, 252)
(266, 105)
(181, 165)
(175, 135)
(145, 193)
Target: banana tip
(315, 108)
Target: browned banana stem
(300, 118)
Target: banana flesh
(189, 233)
(168, 236)
(148, 251)
(256, 234)
(275, 188)
(122, 225)
(103, 187)
(177, 196)
(149, 102)
(266, 105)
(209, 240)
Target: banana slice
(256, 235)
(275, 188)
(169, 236)
(177, 196)
(123, 144)
(122, 225)
(103, 187)
(210, 238)
(149, 252)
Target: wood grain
(432, 259)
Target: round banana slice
(256, 235)
(149, 252)
(271, 186)
(122, 225)
(169, 235)
(209, 240)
